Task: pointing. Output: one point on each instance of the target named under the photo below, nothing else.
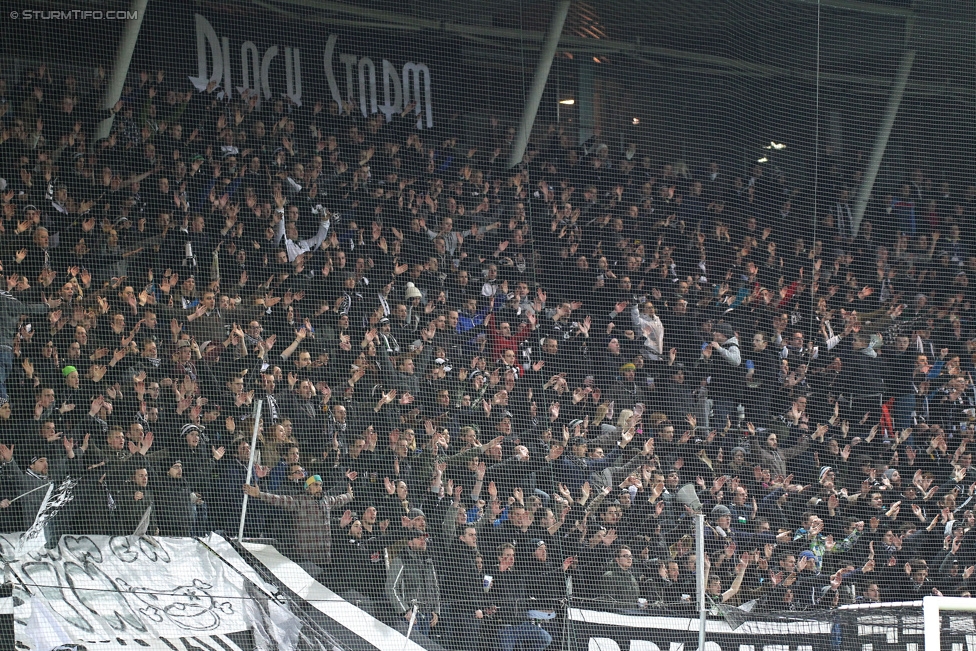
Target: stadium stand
(482, 386)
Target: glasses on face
(626, 556)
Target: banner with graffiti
(89, 589)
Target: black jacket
(175, 512)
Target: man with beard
(313, 513)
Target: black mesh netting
(516, 285)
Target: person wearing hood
(720, 361)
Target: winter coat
(175, 512)
(411, 580)
(620, 586)
(313, 525)
(776, 459)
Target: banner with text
(879, 627)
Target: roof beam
(859, 6)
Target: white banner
(96, 589)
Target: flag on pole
(55, 499)
(142, 527)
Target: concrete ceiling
(851, 43)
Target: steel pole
(250, 463)
(539, 79)
(700, 576)
(881, 141)
(120, 70)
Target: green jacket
(620, 586)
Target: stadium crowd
(482, 387)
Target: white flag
(141, 528)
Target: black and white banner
(867, 627)
(35, 538)
(608, 631)
(121, 593)
(125, 592)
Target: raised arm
(796, 450)
(315, 242)
(737, 583)
(285, 502)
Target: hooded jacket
(777, 459)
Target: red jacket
(500, 343)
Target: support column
(881, 141)
(584, 100)
(123, 57)
(539, 79)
